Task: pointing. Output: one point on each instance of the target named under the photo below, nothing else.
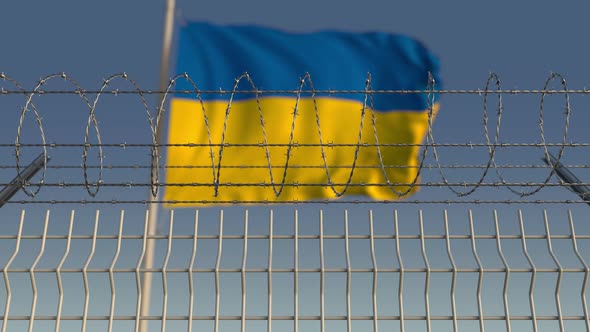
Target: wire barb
(217, 146)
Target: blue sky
(523, 42)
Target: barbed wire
(296, 145)
(305, 89)
(427, 166)
(303, 184)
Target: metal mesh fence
(302, 271)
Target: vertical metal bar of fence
(480, 272)
(533, 275)
(269, 273)
(164, 272)
(138, 272)
(243, 273)
(375, 271)
(112, 275)
(85, 272)
(559, 275)
(296, 272)
(58, 273)
(427, 278)
(322, 276)
(348, 273)
(454, 275)
(506, 274)
(32, 272)
(586, 270)
(5, 271)
(217, 267)
(401, 274)
(191, 286)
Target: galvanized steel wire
(91, 98)
(404, 292)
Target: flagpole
(153, 207)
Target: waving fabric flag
(287, 143)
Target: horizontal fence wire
(94, 169)
(290, 271)
(360, 264)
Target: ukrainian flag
(287, 145)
